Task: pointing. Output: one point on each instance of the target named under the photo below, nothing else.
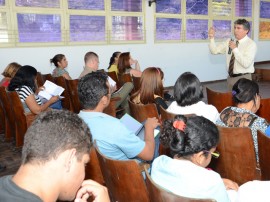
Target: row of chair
(237, 160)
(121, 79)
(16, 120)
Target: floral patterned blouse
(238, 117)
(59, 72)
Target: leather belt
(236, 75)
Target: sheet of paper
(51, 89)
(111, 81)
(131, 123)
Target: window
(221, 8)
(243, 8)
(61, 22)
(264, 28)
(39, 28)
(170, 6)
(86, 4)
(129, 24)
(197, 29)
(197, 7)
(126, 5)
(4, 38)
(38, 3)
(189, 20)
(168, 20)
(127, 28)
(168, 29)
(87, 28)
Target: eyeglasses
(215, 154)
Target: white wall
(174, 59)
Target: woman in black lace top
(247, 99)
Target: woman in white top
(192, 142)
(188, 93)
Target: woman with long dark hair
(24, 82)
(125, 62)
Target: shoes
(2, 168)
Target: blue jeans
(56, 105)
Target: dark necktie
(231, 65)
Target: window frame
(263, 20)
(210, 17)
(12, 10)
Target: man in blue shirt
(113, 138)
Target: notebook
(135, 126)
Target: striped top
(24, 92)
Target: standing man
(240, 53)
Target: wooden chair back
(123, 179)
(111, 108)
(237, 160)
(20, 117)
(113, 75)
(124, 78)
(141, 112)
(263, 74)
(10, 126)
(136, 83)
(40, 81)
(48, 77)
(2, 118)
(164, 114)
(158, 194)
(66, 103)
(264, 155)
(74, 96)
(264, 109)
(92, 169)
(220, 100)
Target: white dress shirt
(244, 54)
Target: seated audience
(24, 82)
(113, 138)
(151, 88)
(247, 99)
(60, 62)
(125, 62)
(188, 93)
(114, 62)
(9, 73)
(91, 65)
(192, 142)
(53, 162)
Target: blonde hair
(11, 70)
